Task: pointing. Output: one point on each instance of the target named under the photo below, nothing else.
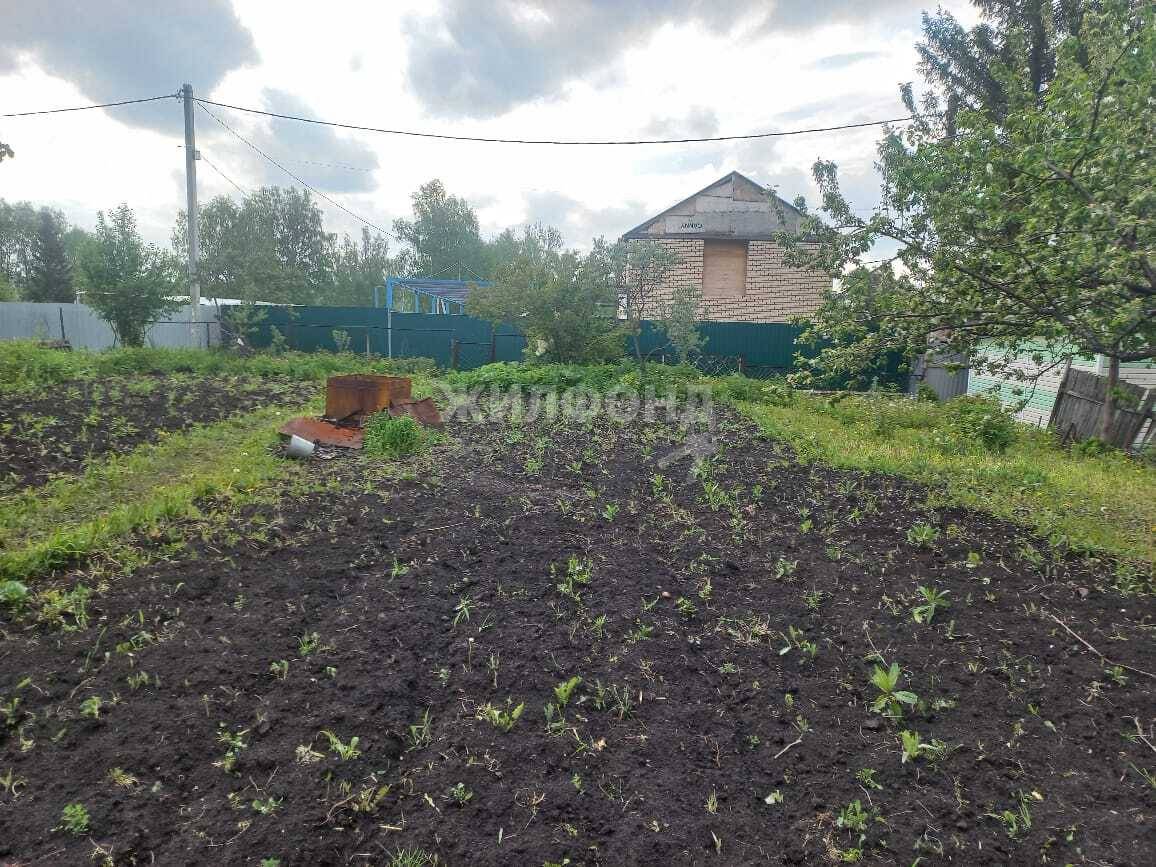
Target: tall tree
(358, 268)
(19, 225)
(963, 67)
(50, 276)
(272, 246)
(6, 152)
(443, 236)
(1034, 226)
(130, 284)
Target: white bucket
(299, 447)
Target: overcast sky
(537, 69)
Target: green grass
(141, 492)
(1104, 503)
(25, 366)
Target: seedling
(120, 777)
(912, 744)
(933, 601)
(345, 751)
(11, 783)
(853, 817)
(578, 574)
(685, 607)
(279, 669)
(419, 733)
(712, 803)
(236, 742)
(137, 680)
(890, 698)
(308, 643)
(306, 755)
(563, 691)
(610, 511)
(1015, 822)
(460, 795)
(775, 797)
(622, 702)
(91, 706)
(922, 534)
(463, 610)
(785, 568)
(8, 709)
(795, 641)
(704, 592)
(74, 819)
(555, 722)
(866, 776)
(268, 806)
(502, 719)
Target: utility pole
(192, 212)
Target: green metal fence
(453, 340)
(450, 340)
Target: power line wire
(303, 183)
(89, 107)
(498, 140)
(239, 188)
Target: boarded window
(724, 269)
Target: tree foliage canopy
(562, 301)
(443, 236)
(1034, 226)
(128, 283)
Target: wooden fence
(1080, 399)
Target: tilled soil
(416, 606)
(56, 431)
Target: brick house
(723, 237)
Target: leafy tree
(443, 236)
(358, 267)
(50, 276)
(680, 320)
(128, 283)
(964, 66)
(1034, 227)
(7, 290)
(6, 152)
(562, 301)
(19, 226)
(272, 246)
(642, 271)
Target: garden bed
(725, 618)
(57, 429)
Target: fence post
(454, 350)
(367, 343)
(742, 365)
(493, 345)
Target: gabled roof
(734, 206)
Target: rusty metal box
(363, 394)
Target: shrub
(973, 421)
(13, 593)
(927, 393)
(390, 437)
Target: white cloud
(798, 65)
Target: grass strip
(25, 366)
(71, 519)
(1103, 503)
